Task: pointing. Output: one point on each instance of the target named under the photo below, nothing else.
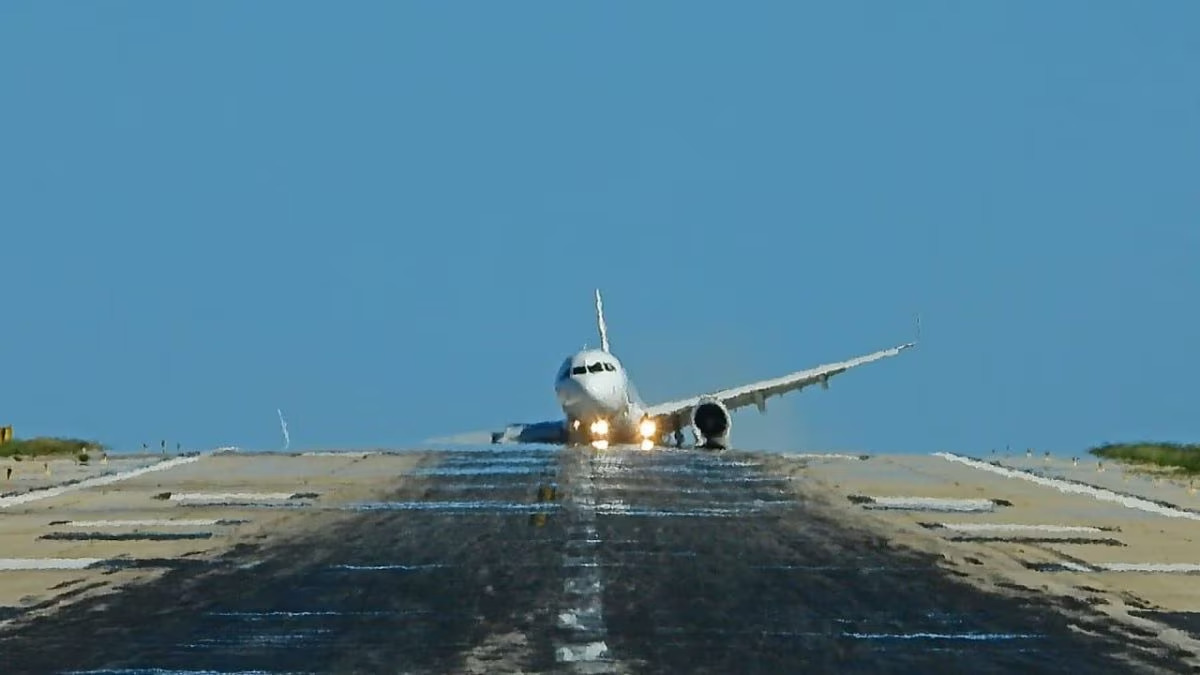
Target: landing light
(647, 428)
(600, 428)
(647, 444)
(600, 445)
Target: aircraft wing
(758, 392)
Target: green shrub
(42, 446)
(1177, 455)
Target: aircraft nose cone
(603, 394)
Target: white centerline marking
(583, 618)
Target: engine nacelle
(711, 420)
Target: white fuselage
(592, 385)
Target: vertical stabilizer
(600, 321)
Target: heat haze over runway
(484, 559)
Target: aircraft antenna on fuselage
(600, 322)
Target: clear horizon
(387, 219)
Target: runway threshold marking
(1130, 501)
(108, 479)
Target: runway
(484, 560)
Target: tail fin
(600, 321)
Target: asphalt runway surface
(532, 560)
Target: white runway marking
(1076, 488)
(182, 671)
(584, 582)
(109, 479)
(483, 506)
(817, 455)
(623, 509)
(149, 523)
(382, 568)
(15, 564)
(231, 496)
(1015, 527)
(259, 616)
(481, 470)
(925, 503)
(1158, 568)
(1148, 567)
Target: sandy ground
(144, 500)
(525, 560)
(1154, 602)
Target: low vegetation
(45, 446)
(1181, 456)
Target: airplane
(601, 405)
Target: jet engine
(712, 422)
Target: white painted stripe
(1016, 527)
(591, 651)
(143, 523)
(932, 501)
(13, 564)
(1159, 568)
(817, 455)
(1075, 488)
(929, 504)
(394, 567)
(1148, 567)
(230, 496)
(583, 582)
(109, 479)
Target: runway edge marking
(58, 490)
(1102, 494)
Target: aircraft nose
(601, 392)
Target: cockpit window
(595, 367)
(578, 370)
(609, 367)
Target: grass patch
(44, 446)
(1182, 456)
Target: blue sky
(387, 218)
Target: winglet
(600, 321)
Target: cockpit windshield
(594, 367)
